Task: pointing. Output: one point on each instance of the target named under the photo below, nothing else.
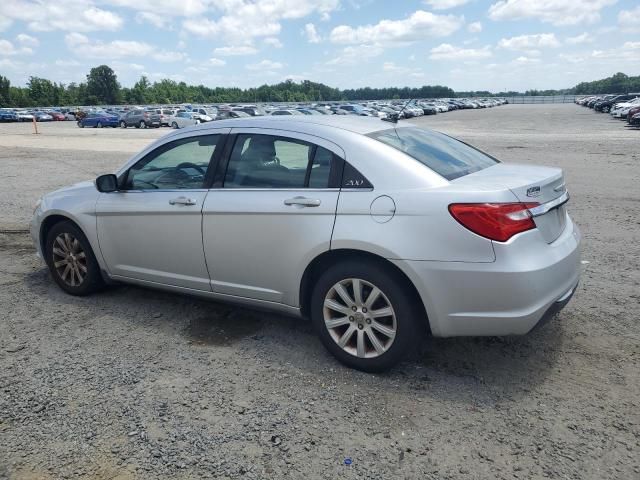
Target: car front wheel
(71, 260)
(142, 124)
(174, 125)
(123, 124)
(364, 315)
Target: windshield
(442, 154)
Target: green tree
(102, 85)
(5, 87)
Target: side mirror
(107, 183)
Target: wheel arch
(331, 257)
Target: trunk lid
(528, 183)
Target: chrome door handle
(182, 201)
(303, 202)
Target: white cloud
(355, 55)
(70, 15)
(5, 23)
(67, 63)
(526, 60)
(9, 49)
(628, 20)
(168, 57)
(475, 27)
(243, 20)
(27, 40)
(556, 12)
(155, 19)
(529, 43)
(580, 39)
(235, 50)
(167, 8)
(450, 52)
(312, 34)
(81, 46)
(216, 62)
(445, 4)
(265, 65)
(417, 26)
(273, 42)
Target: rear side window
(265, 161)
(442, 154)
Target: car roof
(353, 123)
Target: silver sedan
(377, 232)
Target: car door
(150, 229)
(270, 212)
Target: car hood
(81, 187)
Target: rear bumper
(529, 282)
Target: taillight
(495, 221)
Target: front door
(151, 228)
(272, 213)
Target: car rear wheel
(123, 124)
(364, 315)
(71, 260)
(80, 124)
(142, 124)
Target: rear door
(271, 211)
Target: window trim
(213, 160)
(335, 172)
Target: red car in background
(632, 112)
(57, 116)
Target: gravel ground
(137, 384)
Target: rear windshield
(442, 154)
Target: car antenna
(394, 117)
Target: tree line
(102, 88)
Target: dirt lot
(133, 383)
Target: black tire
(123, 124)
(174, 125)
(80, 124)
(99, 125)
(142, 124)
(92, 280)
(394, 288)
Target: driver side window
(181, 164)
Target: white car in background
(620, 110)
(184, 119)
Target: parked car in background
(184, 119)
(252, 110)
(605, 105)
(57, 116)
(140, 119)
(226, 114)
(205, 114)
(7, 116)
(165, 115)
(286, 111)
(99, 120)
(42, 117)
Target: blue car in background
(99, 120)
(8, 116)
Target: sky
(494, 45)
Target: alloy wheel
(359, 318)
(69, 259)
